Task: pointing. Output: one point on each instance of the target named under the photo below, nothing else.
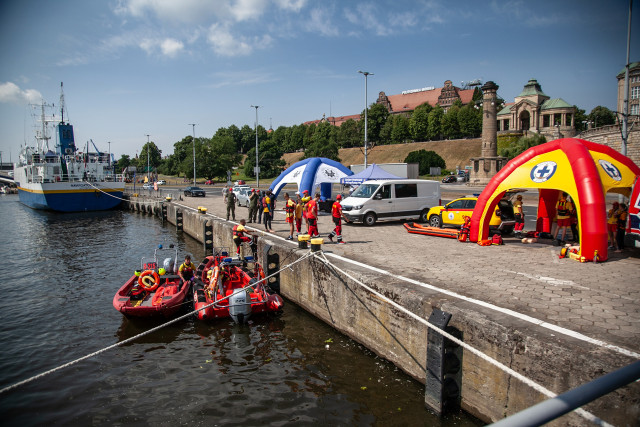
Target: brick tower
(486, 166)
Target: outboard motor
(240, 306)
(168, 265)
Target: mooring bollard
(316, 244)
(303, 241)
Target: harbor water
(60, 272)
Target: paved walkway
(599, 303)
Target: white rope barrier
(128, 340)
(102, 191)
(538, 387)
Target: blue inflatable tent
(309, 174)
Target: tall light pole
(148, 178)
(193, 125)
(366, 107)
(257, 168)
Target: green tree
(296, 141)
(385, 132)
(323, 143)
(247, 139)
(579, 119)
(185, 166)
(523, 144)
(450, 127)
(217, 156)
(470, 121)
(123, 162)
(400, 130)
(376, 118)
(270, 160)
(435, 123)
(601, 116)
(348, 134)
(426, 160)
(419, 122)
(476, 99)
(154, 155)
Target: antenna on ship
(61, 104)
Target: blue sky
(137, 67)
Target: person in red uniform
(336, 215)
(239, 235)
(312, 215)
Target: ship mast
(61, 104)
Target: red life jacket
(237, 233)
(290, 207)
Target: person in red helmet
(312, 215)
(336, 215)
(230, 198)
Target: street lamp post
(193, 126)
(148, 178)
(366, 107)
(257, 168)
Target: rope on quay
(128, 340)
(538, 387)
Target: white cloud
(321, 22)
(172, 10)
(243, 10)
(294, 5)
(170, 47)
(365, 16)
(225, 43)
(242, 78)
(192, 11)
(10, 92)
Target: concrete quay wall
(557, 362)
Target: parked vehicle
(194, 191)
(452, 214)
(391, 200)
(162, 182)
(147, 186)
(242, 195)
(449, 179)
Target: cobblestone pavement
(601, 301)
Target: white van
(391, 199)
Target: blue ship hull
(79, 201)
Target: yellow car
(452, 214)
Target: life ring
(149, 280)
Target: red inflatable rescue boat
(232, 287)
(154, 290)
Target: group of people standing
(262, 205)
